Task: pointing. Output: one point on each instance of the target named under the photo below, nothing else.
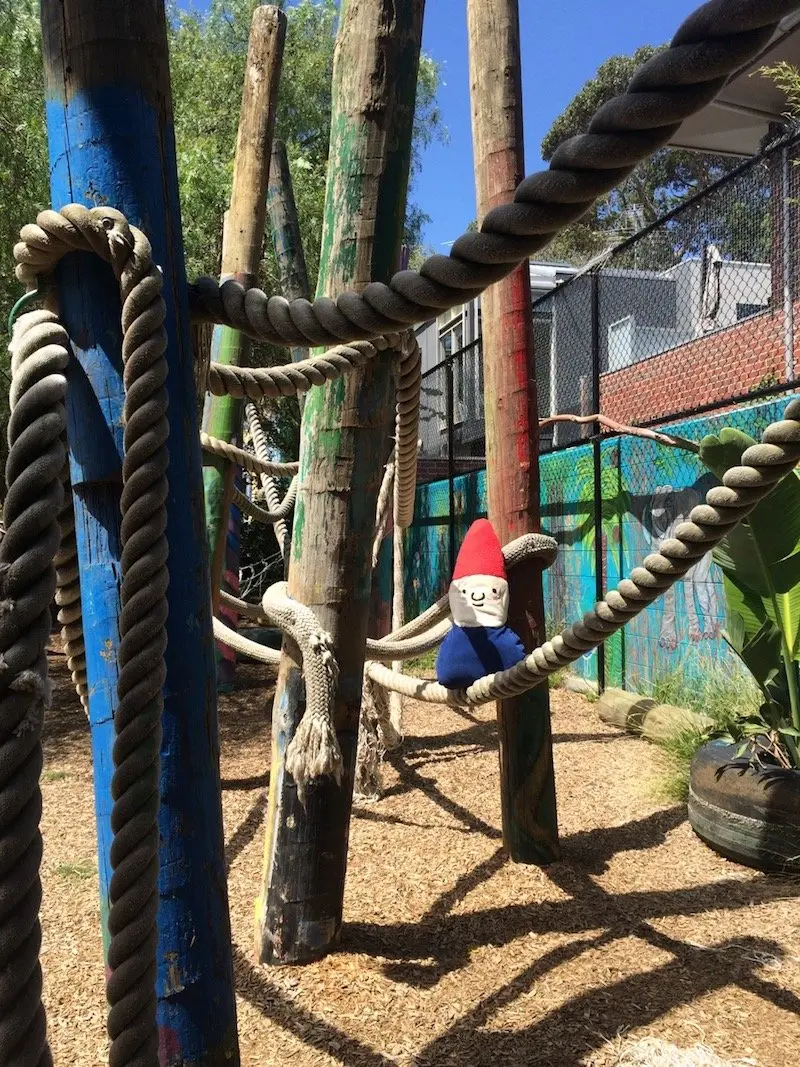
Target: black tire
(752, 817)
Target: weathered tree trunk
(287, 242)
(286, 237)
(345, 440)
(111, 141)
(242, 243)
(526, 758)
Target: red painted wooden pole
(530, 832)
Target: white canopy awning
(738, 120)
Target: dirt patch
(450, 954)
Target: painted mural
(647, 491)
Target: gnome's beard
(479, 600)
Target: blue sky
(563, 44)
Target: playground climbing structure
(37, 554)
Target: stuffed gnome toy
(479, 642)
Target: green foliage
(726, 696)
(787, 77)
(207, 61)
(23, 158)
(423, 665)
(654, 188)
(76, 872)
(760, 562)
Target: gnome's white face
(479, 600)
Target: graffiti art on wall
(647, 490)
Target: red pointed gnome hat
(480, 553)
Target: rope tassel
(314, 750)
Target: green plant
(760, 562)
(54, 776)
(78, 871)
(423, 664)
(717, 692)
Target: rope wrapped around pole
(133, 891)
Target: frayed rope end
(314, 752)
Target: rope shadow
(253, 986)
(412, 779)
(585, 1022)
(246, 831)
(420, 954)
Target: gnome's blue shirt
(469, 652)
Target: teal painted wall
(647, 490)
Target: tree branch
(668, 439)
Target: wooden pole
(287, 241)
(286, 237)
(111, 141)
(243, 238)
(527, 784)
(345, 437)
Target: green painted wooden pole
(527, 783)
(242, 244)
(287, 239)
(346, 432)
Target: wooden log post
(527, 782)
(111, 141)
(287, 242)
(243, 239)
(287, 239)
(346, 431)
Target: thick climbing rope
(301, 376)
(268, 483)
(382, 509)
(34, 470)
(68, 597)
(314, 749)
(35, 500)
(716, 40)
(243, 458)
(762, 467)
(268, 518)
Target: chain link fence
(688, 325)
(694, 313)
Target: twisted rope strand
(762, 467)
(133, 892)
(714, 42)
(244, 458)
(36, 432)
(268, 483)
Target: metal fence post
(788, 279)
(451, 463)
(599, 561)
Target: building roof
(739, 119)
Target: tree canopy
(656, 186)
(207, 61)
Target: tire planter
(750, 816)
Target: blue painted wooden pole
(109, 121)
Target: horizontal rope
(762, 467)
(715, 41)
(215, 447)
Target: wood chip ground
(450, 955)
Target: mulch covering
(450, 955)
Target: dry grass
(450, 955)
